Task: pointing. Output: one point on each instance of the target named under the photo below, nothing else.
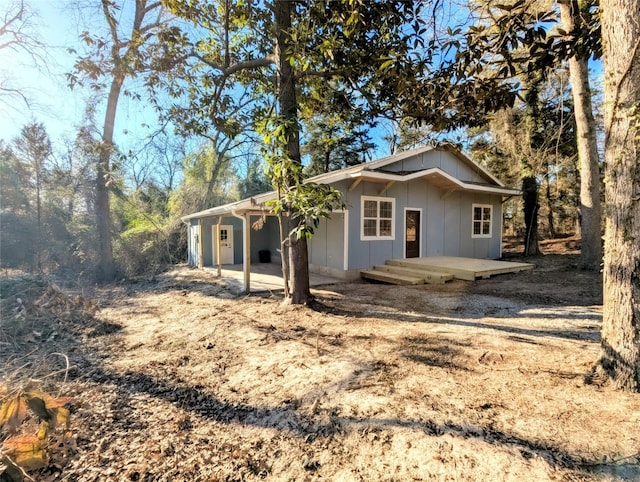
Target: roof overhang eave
(446, 181)
(252, 205)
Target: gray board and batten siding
(446, 218)
(445, 228)
(439, 187)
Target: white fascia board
(349, 172)
(468, 186)
(249, 204)
(383, 176)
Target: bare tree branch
(16, 35)
(238, 66)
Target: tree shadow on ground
(291, 421)
(589, 334)
(435, 351)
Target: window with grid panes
(481, 227)
(377, 218)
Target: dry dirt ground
(176, 379)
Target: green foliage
(16, 234)
(255, 181)
(39, 204)
(337, 49)
(144, 250)
(333, 142)
(474, 70)
(209, 177)
(350, 56)
(116, 52)
(306, 204)
(142, 244)
(17, 218)
(536, 139)
(14, 177)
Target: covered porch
(264, 277)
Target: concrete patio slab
(264, 277)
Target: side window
(481, 225)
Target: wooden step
(392, 278)
(408, 264)
(429, 276)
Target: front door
(226, 244)
(412, 234)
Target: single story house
(429, 201)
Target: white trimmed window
(482, 214)
(378, 218)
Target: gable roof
(373, 172)
(378, 164)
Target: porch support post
(218, 249)
(246, 254)
(200, 245)
(246, 249)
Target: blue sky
(45, 84)
(52, 102)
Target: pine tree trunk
(39, 215)
(298, 254)
(620, 355)
(591, 251)
(549, 199)
(106, 264)
(531, 208)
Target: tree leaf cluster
(478, 68)
(20, 450)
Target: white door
(194, 246)
(226, 244)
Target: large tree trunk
(620, 355)
(298, 254)
(121, 66)
(215, 173)
(591, 253)
(531, 208)
(283, 225)
(106, 264)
